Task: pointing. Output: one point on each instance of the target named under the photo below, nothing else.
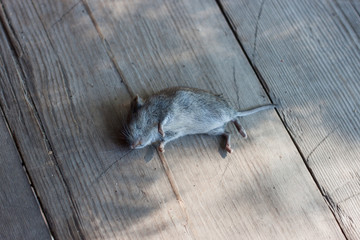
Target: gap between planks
(267, 90)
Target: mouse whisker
(124, 134)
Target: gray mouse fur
(176, 112)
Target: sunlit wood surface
(69, 70)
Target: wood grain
(308, 52)
(20, 216)
(65, 104)
(82, 61)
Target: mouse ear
(136, 103)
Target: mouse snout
(136, 144)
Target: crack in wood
(307, 158)
(256, 29)
(348, 198)
(64, 14)
(108, 168)
(252, 64)
(337, 211)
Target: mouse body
(180, 111)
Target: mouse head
(140, 131)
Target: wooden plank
(75, 57)
(23, 119)
(64, 102)
(166, 43)
(20, 216)
(308, 55)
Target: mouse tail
(255, 110)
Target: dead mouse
(176, 112)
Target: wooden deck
(69, 68)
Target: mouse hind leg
(221, 131)
(240, 129)
(228, 146)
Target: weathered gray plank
(74, 56)
(64, 102)
(23, 119)
(167, 43)
(308, 54)
(20, 216)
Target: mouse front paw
(161, 147)
(161, 131)
(228, 148)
